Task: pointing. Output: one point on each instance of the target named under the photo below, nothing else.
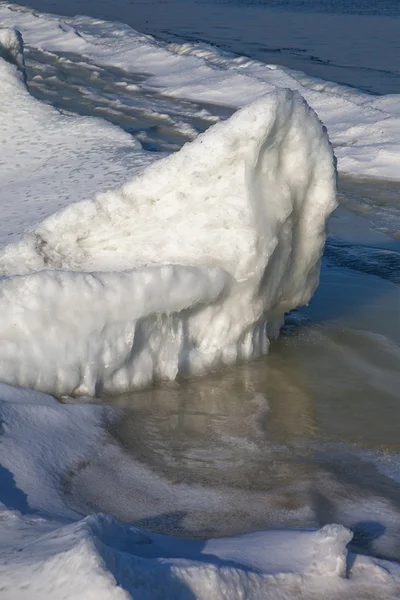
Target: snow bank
(98, 558)
(189, 266)
(364, 129)
(49, 551)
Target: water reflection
(256, 446)
(218, 430)
(306, 436)
(208, 456)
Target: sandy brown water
(305, 436)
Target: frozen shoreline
(81, 298)
(61, 553)
(364, 129)
(353, 43)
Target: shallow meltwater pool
(305, 436)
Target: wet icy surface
(304, 437)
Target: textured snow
(99, 558)
(49, 160)
(364, 129)
(49, 551)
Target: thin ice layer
(190, 265)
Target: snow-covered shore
(364, 129)
(48, 551)
(189, 265)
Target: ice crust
(189, 266)
(12, 50)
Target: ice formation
(12, 49)
(190, 265)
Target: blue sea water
(352, 42)
(390, 8)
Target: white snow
(364, 129)
(97, 558)
(190, 265)
(49, 160)
(48, 551)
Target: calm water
(389, 8)
(355, 43)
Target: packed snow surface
(190, 265)
(364, 129)
(49, 160)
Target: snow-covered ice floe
(188, 266)
(49, 551)
(364, 128)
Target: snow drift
(49, 551)
(49, 159)
(190, 265)
(99, 558)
